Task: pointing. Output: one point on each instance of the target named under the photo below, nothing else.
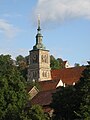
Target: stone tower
(39, 67)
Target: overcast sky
(65, 27)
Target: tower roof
(39, 44)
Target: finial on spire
(39, 20)
(39, 23)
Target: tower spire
(39, 29)
(39, 44)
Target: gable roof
(43, 98)
(68, 75)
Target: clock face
(34, 57)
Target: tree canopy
(56, 63)
(22, 63)
(36, 113)
(83, 86)
(13, 96)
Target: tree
(27, 59)
(76, 64)
(36, 113)
(13, 96)
(32, 84)
(54, 64)
(61, 63)
(83, 86)
(22, 63)
(64, 103)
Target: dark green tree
(61, 63)
(76, 64)
(54, 64)
(13, 96)
(64, 103)
(36, 113)
(83, 86)
(27, 59)
(32, 84)
(22, 63)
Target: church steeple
(39, 67)
(39, 44)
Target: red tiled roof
(43, 98)
(48, 85)
(68, 75)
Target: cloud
(19, 51)
(7, 15)
(8, 29)
(62, 10)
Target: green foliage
(64, 104)
(13, 96)
(54, 64)
(61, 63)
(32, 84)
(36, 113)
(83, 87)
(22, 63)
(76, 64)
(73, 102)
(20, 58)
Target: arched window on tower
(41, 58)
(43, 74)
(34, 74)
(45, 58)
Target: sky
(65, 28)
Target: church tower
(39, 67)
